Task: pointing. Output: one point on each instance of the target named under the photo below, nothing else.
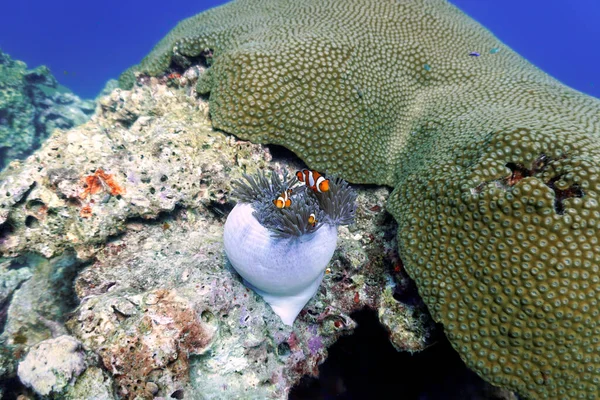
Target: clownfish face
(312, 220)
(284, 200)
(313, 180)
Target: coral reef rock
(93, 384)
(495, 165)
(113, 231)
(50, 365)
(32, 106)
(151, 345)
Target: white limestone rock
(52, 364)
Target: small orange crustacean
(86, 211)
(97, 182)
(100, 181)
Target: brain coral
(495, 164)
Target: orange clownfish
(313, 180)
(312, 219)
(283, 200)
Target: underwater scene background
(86, 43)
(464, 251)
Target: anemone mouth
(308, 211)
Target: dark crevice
(23, 196)
(6, 119)
(6, 229)
(53, 117)
(561, 195)
(35, 205)
(33, 93)
(365, 365)
(280, 153)
(159, 219)
(180, 63)
(37, 77)
(4, 159)
(13, 389)
(220, 210)
(129, 121)
(519, 172)
(407, 293)
(18, 263)
(88, 111)
(32, 222)
(63, 283)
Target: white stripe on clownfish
(284, 199)
(311, 179)
(312, 219)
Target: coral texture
(494, 163)
(149, 348)
(93, 384)
(113, 232)
(52, 364)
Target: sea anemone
(281, 253)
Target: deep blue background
(86, 42)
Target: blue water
(85, 43)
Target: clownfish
(312, 219)
(283, 200)
(313, 180)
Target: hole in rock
(35, 205)
(283, 349)
(218, 209)
(6, 229)
(32, 222)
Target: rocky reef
(495, 165)
(52, 364)
(111, 234)
(111, 237)
(32, 105)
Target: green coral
(494, 163)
